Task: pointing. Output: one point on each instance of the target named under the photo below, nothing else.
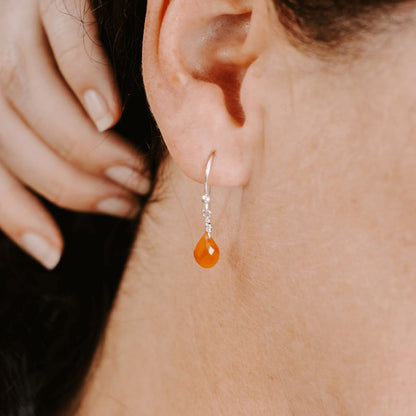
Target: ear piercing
(206, 252)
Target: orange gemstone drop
(206, 252)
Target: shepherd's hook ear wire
(206, 252)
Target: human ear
(197, 57)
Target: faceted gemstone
(206, 252)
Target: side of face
(326, 150)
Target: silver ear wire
(206, 198)
(208, 189)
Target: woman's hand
(57, 97)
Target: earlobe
(195, 64)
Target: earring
(206, 252)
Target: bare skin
(311, 309)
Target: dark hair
(327, 25)
(51, 322)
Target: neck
(279, 310)
(180, 330)
(302, 296)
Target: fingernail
(97, 110)
(118, 207)
(128, 178)
(39, 248)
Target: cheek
(344, 290)
(347, 334)
(349, 289)
(366, 344)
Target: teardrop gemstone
(206, 252)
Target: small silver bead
(206, 213)
(206, 199)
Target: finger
(45, 172)
(73, 36)
(27, 223)
(62, 124)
